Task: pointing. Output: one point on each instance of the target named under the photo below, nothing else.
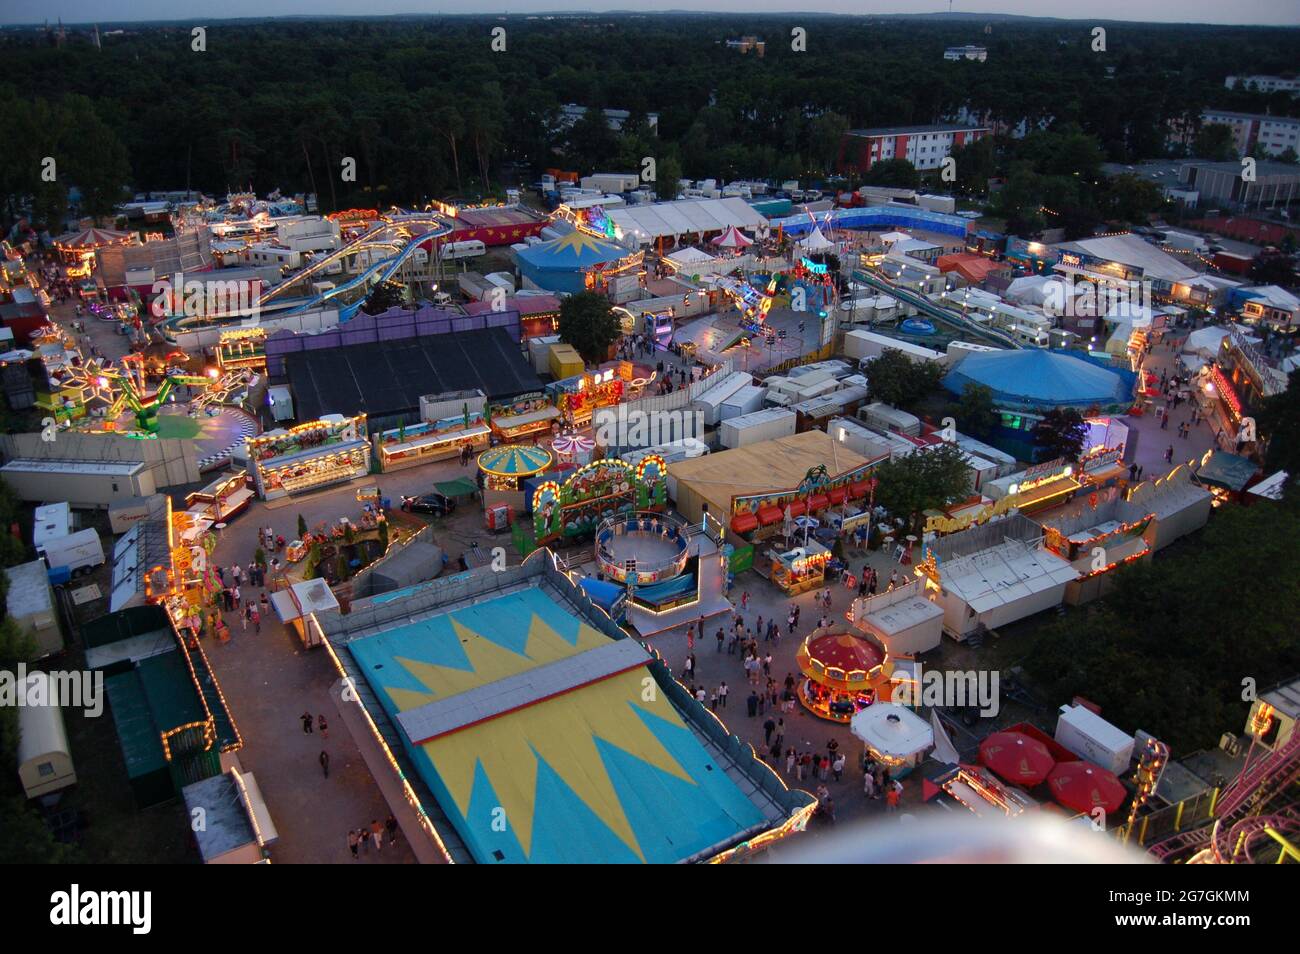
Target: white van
(453, 251)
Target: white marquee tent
(647, 223)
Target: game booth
(578, 397)
(242, 348)
(309, 456)
(842, 674)
(526, 425)
(414, 444)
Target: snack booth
(801, 569)
(331, 450)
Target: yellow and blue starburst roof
(607, 772)
(578, 249)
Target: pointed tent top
(732, 238)
(816, 241)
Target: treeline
(427, 107)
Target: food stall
(435, 440)
(528, 426)
(220, 500)
(843, 674)
(312, 455)
(801, 569)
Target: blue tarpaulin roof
(1036, 377)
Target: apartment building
(925, 147)
(1273, 134)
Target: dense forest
(428, 108)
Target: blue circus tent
(562, 264)
(1037, 379)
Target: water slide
(395, 234)
(927, 307)
(392, 235)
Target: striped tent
(87, 240)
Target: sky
(1271, 12)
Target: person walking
(244, 618)
(363, 835)
(239, 600)
(721, 637)
(325, 762)
(390, 826)
(752, 704)
(377, 833)
(790, 758)
(353, 842)
(869, 785)
(324, 729)
(893, 797)
(837, 767)
(722, 695)
(306, 722)
(688, 668)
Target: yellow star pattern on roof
(561, 731)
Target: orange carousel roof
(841, 660)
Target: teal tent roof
(1037, 377)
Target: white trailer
(1092, 738)
(746, 400)
(765, 425)
(454, 251)
(77, 553)
(710, 402)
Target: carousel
(78, 247)
(843, 674)
(508, 466)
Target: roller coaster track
(927, 307)
(1240, 819)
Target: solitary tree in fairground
(1061, 433)
(588, 323)
(910, 485)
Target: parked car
(437, 504)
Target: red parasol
(1017, 758)
(1083, 786)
